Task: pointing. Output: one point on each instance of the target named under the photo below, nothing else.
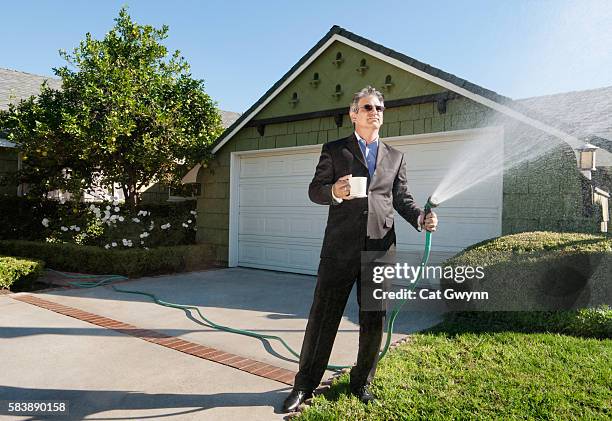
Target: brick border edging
(247, 365)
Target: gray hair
(365, 92)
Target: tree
(49, 154)
(128, 113)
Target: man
(353, 225)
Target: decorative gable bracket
(441, 103)
(338, 119)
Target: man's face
(367, 120)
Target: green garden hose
(91, 281)
(428, 206)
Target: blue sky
(240, 48)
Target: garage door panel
(278, 166)
(276, 195)
(289, 192)
(284, 240)
(276, 255)
(251, 167)
(289, 224)
(430, 156)
(304, 165)
(262, 255)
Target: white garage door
(277, 227)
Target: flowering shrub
(108, 224)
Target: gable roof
(585, 113)
(453, 83)
(228, 118)
(16, 85)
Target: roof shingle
(15, 86)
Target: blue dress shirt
(370, 152)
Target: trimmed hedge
(563, 278)
(96, 260)
(537, 271)
(586, 322)
(16, 272)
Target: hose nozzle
(430, 205)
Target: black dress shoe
(295, 399)
(364, 394)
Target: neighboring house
(158, 193)
(15, 86)
(8, 165)
(587, 115)
(254, 209)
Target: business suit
(353, 226)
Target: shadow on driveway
(86, 403)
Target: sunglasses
(369, 107)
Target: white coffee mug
(358, 186)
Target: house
(159, 193)
(587, 115)
(15, 86)
(254, 210)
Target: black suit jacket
(357, 224)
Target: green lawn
(474, 374)
(503, 365)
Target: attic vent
(315, 80)
(362, 66)
(339, 59)
(388, 83)
(338, 93)
(294, 99)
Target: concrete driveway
(121, 356)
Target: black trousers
(335, 280)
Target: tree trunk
(131, 196)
